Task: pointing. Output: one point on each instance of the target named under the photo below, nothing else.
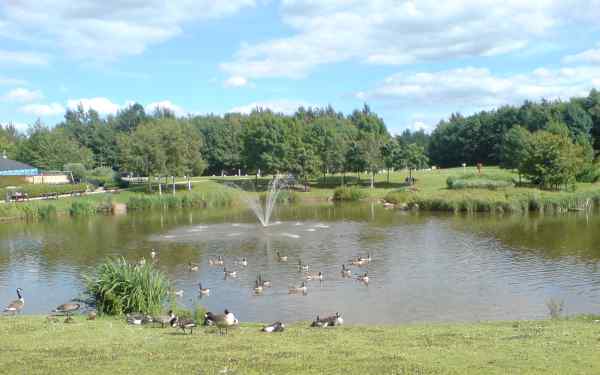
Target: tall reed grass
(120, 288)
(349, 194)
(184, 200)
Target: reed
(349, 194)
(120, 288)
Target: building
(14, 168)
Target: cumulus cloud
(103, 106)
(43, 110)
(22, 95)
(165, 104)
(236, 81)
(479, 88)
(395, 32)
(590, 56)
(22, 58)
(277, 106)
(105, 30)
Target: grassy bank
(32, 345)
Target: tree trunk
(372, 179)
(388, 177)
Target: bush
(103, 177)
(41, 190)
(82, 208)
(120, 288)
(349, 194)
(476, 181)
(77, 169)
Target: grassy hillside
(32, 345)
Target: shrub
(120, 288)
(82, 208)
(476, 181)
(104, 177)
(350, 194)
(77, 169)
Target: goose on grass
(17, 305)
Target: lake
(425, 267)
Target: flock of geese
(227, 319)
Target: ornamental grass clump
(120, 288)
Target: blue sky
(413, 62)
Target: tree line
(311, 142)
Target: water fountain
(253, 200)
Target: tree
(265, 145)
(552, 160)
(414, 157)
(514, 148)
(52, 149)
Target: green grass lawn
(32, 345)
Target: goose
(263, 283)
(258, 288)
(216, 262)
(366, 259)
(275, 327)
(178, 293)
(222, 321)
(298, 289)
(203, 291)
(302, 267)
(67, 309)
(334, 320)
(183, 323)
(282, 258)
(17, 305)
(153, 254)
(192, 266)
(229, 273)
(138, 319)
(318, 323)
(244, 262)
(164, 319)
(314, 276)
(345, 271)
(358, 262)
(142, 262)
(364, 278)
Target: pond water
(425, 267)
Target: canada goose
(192, 266)
(258, 288)
(263, 283)
(216, 262)
(244, 262)
(138, 319)
(67, 309)
(282, 258)
(364, 278)
(178, 293)
(334, 320)
(366, 259)
(17, 305)
(203, 291)
(92, 315)
(345, 271)
(314, 276)
(302, 267)
(298, 289)
(153, 254)
(229, 273)
(275, 327)
(223, 321)
(164, 319)
(183, 323)
(318, 323)
(358, 262)
(142, 262)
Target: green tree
(413, 156)
(514, 148)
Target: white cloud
(394, 32)
(165, 104)
(43, 110)
(11, 81)
(22, 95)
(105, 30)
(22, 58)
(277, 106)
(236, 81)
(476, 88)
(590, 56)
(101, 105)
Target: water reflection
(425, 267)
